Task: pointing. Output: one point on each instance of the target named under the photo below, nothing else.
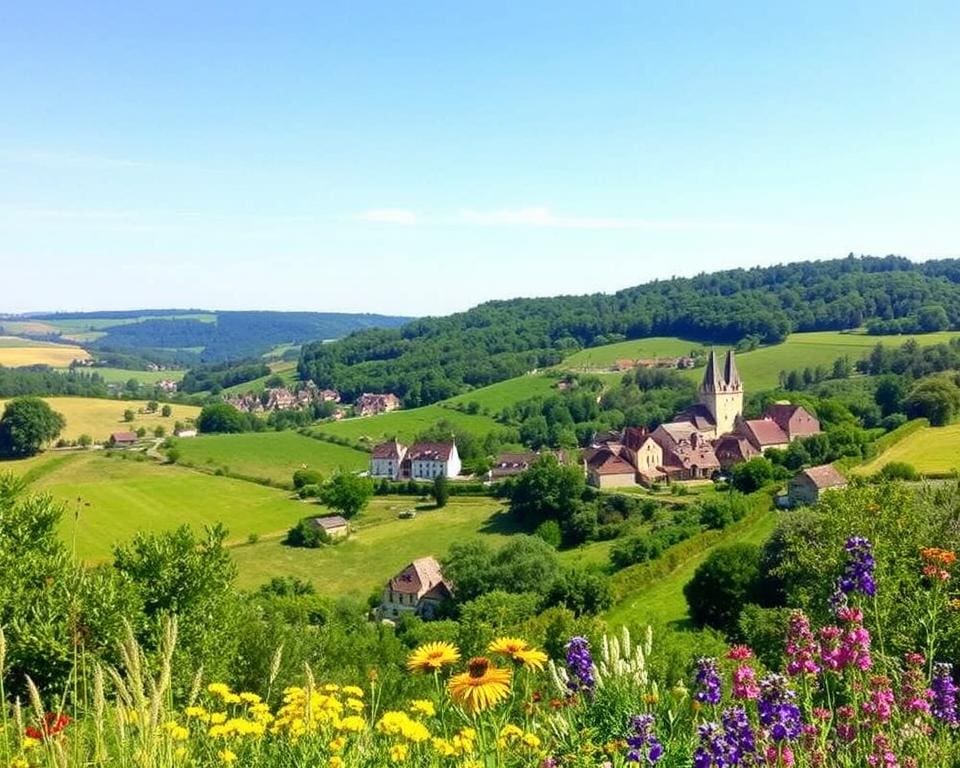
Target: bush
(899, 470)
(440, 490)
(723, 584)
(306, 534)
(304, 477)
(309, 491)
(549, 531)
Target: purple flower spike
(708, 682)
(644, 745)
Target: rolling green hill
(404, 424)
(270, 455)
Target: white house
(430, 460)
(387, 460)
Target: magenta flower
(801, 646)
(745, 684)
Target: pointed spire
(730, 373)
(711, 376)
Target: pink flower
(739, 653)
(879, 706)
(800, 646)
(745, 684)
(783, 757)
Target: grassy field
(382, 545)
(122, 376)
(19, 352)
(405, 424)
(120, 497)
(608, 354)
(272, 455)
(496, 397)
(98, 418)
(931, 450)
(285, 369)
(663, 602)
(760, 369)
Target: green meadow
(404, 424)
(270, 455)
(380, 547)
(931, 451)
(285, 369)
(496, 397)
(606, 355)
(117, 498)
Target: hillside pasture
(269, 455)
(608, 354)
(930, 450)
(100, 417)
(123, 375)
(381, 546)
(404, 424)
(496, 397)
(121, 497)
(285, 369)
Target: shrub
(722, 585)
(304, 477)
(306, 534)
(898, 470)
(309, 491)
(549, 531)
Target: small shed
(335, 526)
(808, 486)
(123, 439)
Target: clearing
(15, 352)
(381, 546)
(269, 455)
(496, 397)
(99, 417)
(405, 424)
(608, 354)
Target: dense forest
(433, 358)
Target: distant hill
(195, 335)
(430, 359)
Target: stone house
(335, 526)
(808, 486)
(418, 589)
(123, 439)
(370, 404)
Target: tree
(304, 477)
(220, 417)
(441, 490)
(28, 423)
(752, 475)
(84, 441)
(722, 585)
(152, 406)
(935, 399)
(129, 415)
(933, 317)
(547, 490)
(159, 431)
(166, 411)
(347, 493)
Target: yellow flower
(432, 656)
(423, 707)
(331, 687)
(218, 689)
(227, 756)
(519, 651)
(337, 744)
(352, 690)
(352, 723)
(399, 752)
(335, 762)
(180, 752)
(396, 723)
(199, 713)
(176, 731)
(355, 705)
(218, 717)
(250, 698)
(28, 743)
(481, 686)
(231, 698)
(19, 762)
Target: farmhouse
(508, 464)
(185, 433)
(418, 589)
(808, 486)
(335, 526)
(429, 460)
(369, 404)
(763, 433)
(167, 385)
(387, 460)
(123, 439)
(605, 469)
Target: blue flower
(858, 573)
(778, 712)
(708, 682)
(643, 742)
(944, 703)
(580, 666)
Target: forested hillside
(199, 336)
(433, 358)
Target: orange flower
(936, 556)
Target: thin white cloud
(389, 216)
(535, 216)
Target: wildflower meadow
(839, 700)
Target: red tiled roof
(391, 450)
(430, 452)
(606, 462)
(124, 437)
(766, 432)
(418, 578)
(782, 413)
(824, 476)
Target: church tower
(722, 392)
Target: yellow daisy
(481, 686)
(432, 656)
(519, 651)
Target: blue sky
(422, 157)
